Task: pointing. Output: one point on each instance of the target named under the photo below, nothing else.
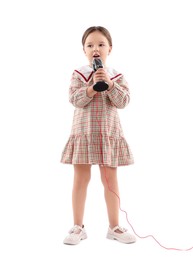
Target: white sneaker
(76, 234)
(123, 236)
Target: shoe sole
(71, 243)
(112, 237)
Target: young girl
(97, 136)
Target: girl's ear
(84, 50)
(110, 49)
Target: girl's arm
(80, 95)
(119, 93)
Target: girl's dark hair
(101, 29)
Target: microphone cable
(125, 212)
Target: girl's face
(96, 45)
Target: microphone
(100, 85)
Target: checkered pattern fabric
(96, 135)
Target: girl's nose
(96, 48)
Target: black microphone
(100, 85)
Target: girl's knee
(108, 176)
(82, 174)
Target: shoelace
(75, 229)
(122, 229)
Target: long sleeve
(77, 92)
(119, 94)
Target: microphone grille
(97, 63)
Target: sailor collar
(86, 72)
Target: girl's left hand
(102, 75)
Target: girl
(97, 136)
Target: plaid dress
(96, 135)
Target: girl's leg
(110, 183)
(82, 174)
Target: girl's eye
(101, 45)
(89, 45)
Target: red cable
(142, 237)
(126, 215)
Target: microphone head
(97, 63)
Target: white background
(40, 46)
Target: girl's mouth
(96, 56)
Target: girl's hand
(101, 75)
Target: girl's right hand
(90, 92)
